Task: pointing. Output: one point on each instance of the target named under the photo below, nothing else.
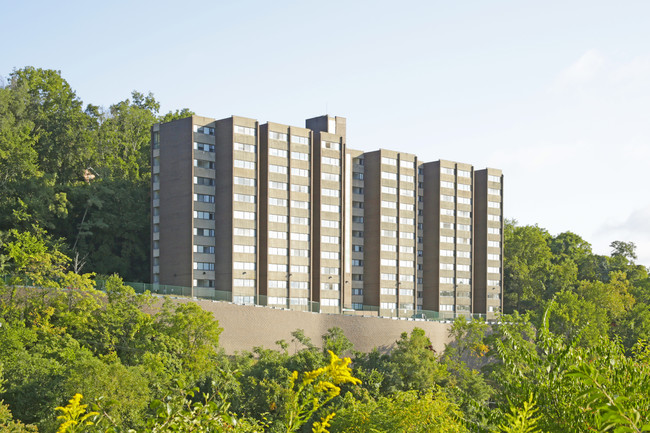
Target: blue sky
(555, 93)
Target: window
(446, 184)
(330, 271)
(277, 251)
(330, 192)
(447, 239)
(464, 254)
(300, 140)
(244, 130)
(388, 262)
(357, 277)
(243, 232)
(277, 169)
(277, 284)
(494, 257)
(277, 235)
(357, 292)
(388, 305)
(300, 188)
(406, 178)
(299, 172)
(357, 262)
(300, 285)
(357, 248)
(389, 233)
(449, 212)
(444, 225)
(357, 176)
(330, 208)
(389, 176)
(464, 187)
(446, 170)
(493, 178)
(447, 253)
(200, 163)
(329, 286)
(407, 192)
(330, 161)
(203, 215)
(357, 190)
(406, 278)
(494, 230)
(357, 233)
(204, 232)
(406, 292)
(303, 221)
(331, 255)
(245, 181)
(446, 280)
(389, 277)
(276, 267)
(330, 224)
(389, 190)
(330, 176)
(495, 244)
(240, 282)
(446, 307)
(406, 206)
(243, 198)
(278, 136)
(277, 300)
(463, 241)
(205, 147)
(447, 198)
(464, 214)
(406, 263)
(389, 219)
(274, 218)
(388, 291)
(447, 266)
(244, 164)
(300, 156)
(277, 202)
(330, 145)
(493, 270)
(405, 249)
(466, 227)
(280, 153)
(464, 200)
(243, 300)
(204, 198)
(494, 205)
(330, 239)
(203, 249)
(248, 266)
(494, 217)
(301, 269)
(495, 283)
(389, 204)
(358, 161)
(357, 219)
(464, 173)
(406, 164)
(249, 249)
(465, 268)
(245, 147)
(329, 302)
(388, 161)
(298, 204)
(204, 130)
(389, 248)
(304, 237)
(406, 235)
(299, 253)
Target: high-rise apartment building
(291, 217)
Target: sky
(554, 93)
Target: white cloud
(636, 228)
(582, 71)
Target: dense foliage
(570, 355)
(50, 143)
